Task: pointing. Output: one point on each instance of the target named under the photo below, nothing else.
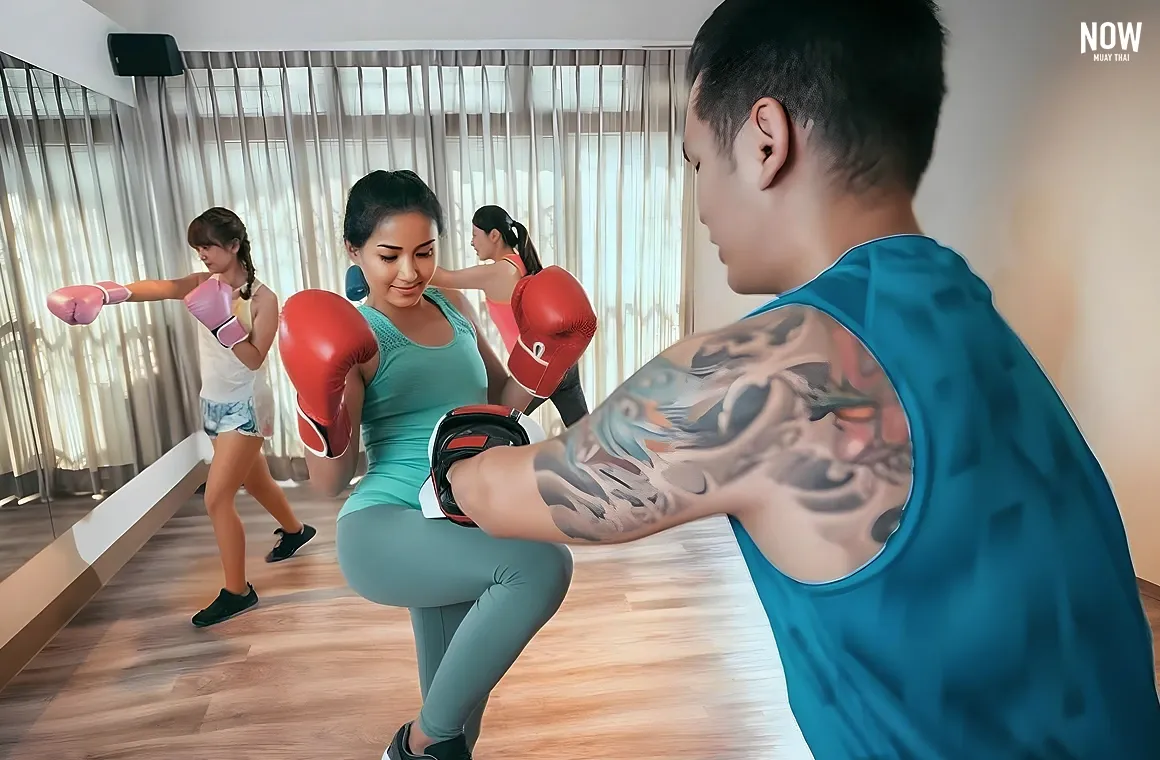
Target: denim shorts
(219, 417)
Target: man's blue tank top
(1002, 620)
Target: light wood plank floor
(660, 651)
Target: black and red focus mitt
(462, 433)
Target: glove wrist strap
(113, 292)
(319, 435)
(230, 333)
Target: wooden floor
(660, 652)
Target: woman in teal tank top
(475, 601)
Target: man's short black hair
(867, 73)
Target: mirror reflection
(64, 419)
(25, 519)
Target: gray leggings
(475, 602)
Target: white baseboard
(44, 594)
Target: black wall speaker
(145, 55)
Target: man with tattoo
(939, 554)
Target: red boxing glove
(321, 337)
(212, 303)
(556, 324)
(463, 433)
(80, 304)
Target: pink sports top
(501, 313)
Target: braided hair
(220, 226)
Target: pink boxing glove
(212, 302)
(80, 304)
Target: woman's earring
(356, 284)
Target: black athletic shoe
(288, 543)
(226, 606)
(451, 749)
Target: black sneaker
(449, 749)
(226, 606)
(288, 543)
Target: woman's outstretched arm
(496, 280)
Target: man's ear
(770, 127)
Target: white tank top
(223, 376)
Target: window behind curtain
(584, 147)
(82, 406)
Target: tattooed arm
(782, 410)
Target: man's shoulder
(780, 330)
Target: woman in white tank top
(240, 317)
(237, 403)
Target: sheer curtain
(584, 147)
(84, 407)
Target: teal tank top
(1001, 620)
(414, 386)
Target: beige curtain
(584, 147)
(83, 408)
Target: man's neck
(848, 223)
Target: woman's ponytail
(526, 249)
(515, 235)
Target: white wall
(66, 37)
(377, 24)
(1071, 245)
(1046, 177)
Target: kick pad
(429, 503)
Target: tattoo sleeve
(785, 403)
